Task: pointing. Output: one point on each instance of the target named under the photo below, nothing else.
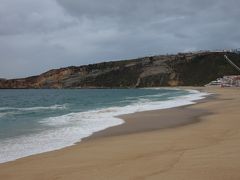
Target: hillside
(185, 69)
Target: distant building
(226, 81)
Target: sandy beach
(196, 142)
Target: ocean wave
(140, 105)
(73, 131)
(68, 129)
(53, 107)
(149, 96)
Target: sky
(38, 35)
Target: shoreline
(155, 123)
(148, 148)
(125, 128)
(136, 123)
(132, 119)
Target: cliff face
(187, 69)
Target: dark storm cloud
(38, 35)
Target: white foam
(68, 129)
(53, 107)
(49, 140)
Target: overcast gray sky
(37, 35)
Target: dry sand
(141, 149)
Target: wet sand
(200, 141)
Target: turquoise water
(35, 121)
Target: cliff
(185, 69)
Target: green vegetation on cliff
(185, 69)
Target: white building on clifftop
(226, 81)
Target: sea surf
(37, 121)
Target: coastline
(136, 122)
(146, 121)
(151, 149)
(84, 124)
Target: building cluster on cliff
(226, 81)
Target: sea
(37, 121)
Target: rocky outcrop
(186, 69)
